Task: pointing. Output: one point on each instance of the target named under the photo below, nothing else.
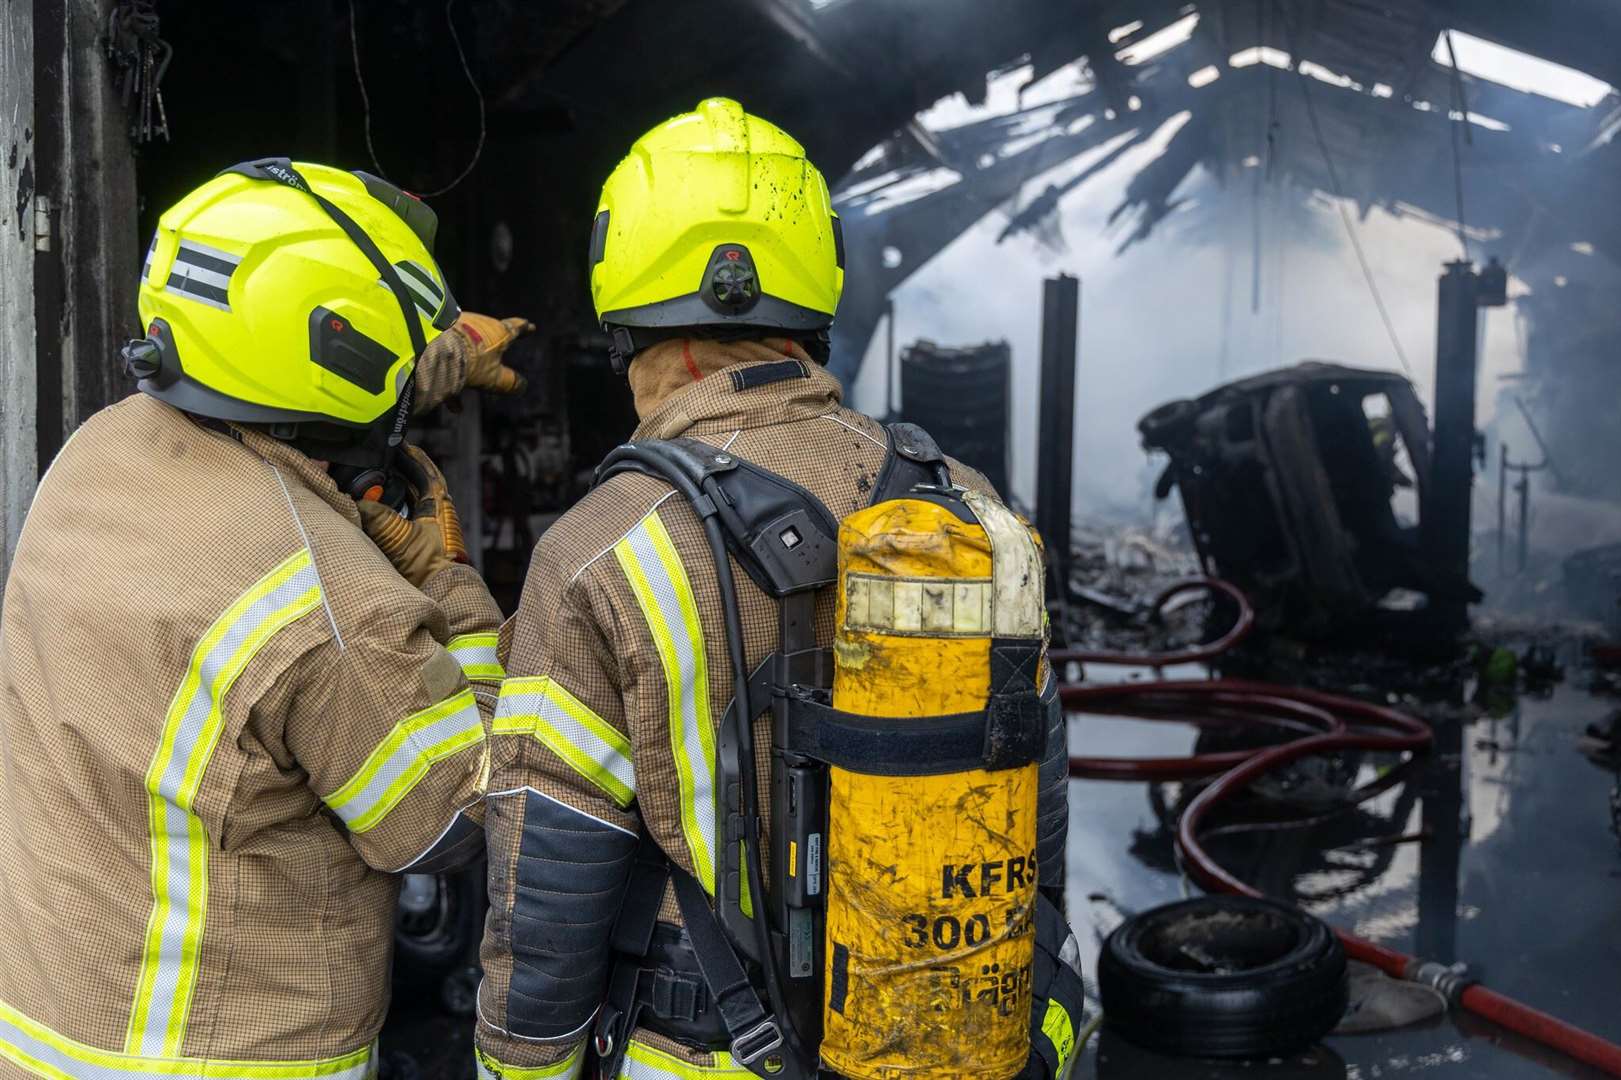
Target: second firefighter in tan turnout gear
(617, 671)
(621, 835)
(226, 720)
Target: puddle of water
(1517, 875)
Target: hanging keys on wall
(140, 58)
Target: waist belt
(670, 996)
(687, 985)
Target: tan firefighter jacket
(618, 678)
(224, 720)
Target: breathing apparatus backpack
(917, 783)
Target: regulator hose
(1326, 723)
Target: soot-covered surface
(1517, 874)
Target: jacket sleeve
(561, 828)
(390, 722)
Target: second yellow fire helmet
(715, 223)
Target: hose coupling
(1450, 981)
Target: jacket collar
(293, 466)
(747, 395)
(297, 467)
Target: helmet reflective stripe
(425, 291)
(151, 249)
(203, 273)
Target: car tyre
(1223, 977)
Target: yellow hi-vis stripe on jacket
(39, 1051)
(567, 1069)
(403, 758)
(174, 931)
(478, 656)
(665, 596)
(642, 1062)
(566, 726)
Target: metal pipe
(1524, 487)
(889, 358)
(1444, 518)
(1502, 506)
(1055, 428)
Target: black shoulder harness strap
(914, 458)
(786, 541)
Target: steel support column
(1455, 443)
(1055, 438)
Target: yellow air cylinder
(931, 878)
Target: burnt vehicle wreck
(1307, 487)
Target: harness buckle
(675, 997)
(757, 1042)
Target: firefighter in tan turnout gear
(225, 717)
(676, 893)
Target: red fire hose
(1328, 723)
(1194, 655)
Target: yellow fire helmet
(715, 223)
(296, 297)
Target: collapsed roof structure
(1365, 102)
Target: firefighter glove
(489, 339)
(430, 539)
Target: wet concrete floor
(1518, 875)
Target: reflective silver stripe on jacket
(38, 1050)
(179, 841)
(566, 726)
(659, 581)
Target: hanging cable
(365, 100)
(1261, 9)
(1340, 199)
(1460, 124)
(1272, 125)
